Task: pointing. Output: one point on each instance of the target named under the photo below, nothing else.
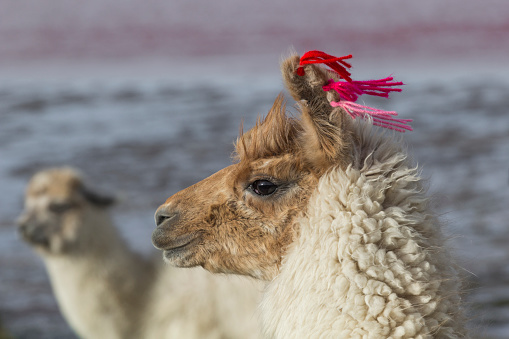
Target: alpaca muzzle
(32, 232)
(165, 219)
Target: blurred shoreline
(218, 68)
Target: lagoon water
(147, 139)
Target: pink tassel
(380, 117)
(352, 90)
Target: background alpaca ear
(326, 136)
(97, 199)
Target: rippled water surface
(147, 140)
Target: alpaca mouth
(177, 246)
(180, 255)
(34, 235)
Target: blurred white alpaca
(105, 290)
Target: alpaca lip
(181, 244)
(163, 241)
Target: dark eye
(60, 207)
(263, 187)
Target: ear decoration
(335, 63)
(350, 90)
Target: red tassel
(335, 63)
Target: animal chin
(179, 251)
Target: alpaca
(332, 214)
(105, 290)
(3, 332)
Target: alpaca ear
(97, 199)
(326, 137)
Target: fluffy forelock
(273, 136)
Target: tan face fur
(55, 203)
(241, 219)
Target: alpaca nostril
(23, 224)
(160, 219)
(22, 228)
(163, 215)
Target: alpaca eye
(263, 187)
(60, 207)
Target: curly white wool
(370, 260)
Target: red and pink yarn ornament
(349, 90)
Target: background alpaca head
(57, 204)
(241, 219)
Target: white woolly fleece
(370, 260)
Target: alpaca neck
(100, 285)
(369, 260)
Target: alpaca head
(56, 205)
(241, 219)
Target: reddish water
(125, 29)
